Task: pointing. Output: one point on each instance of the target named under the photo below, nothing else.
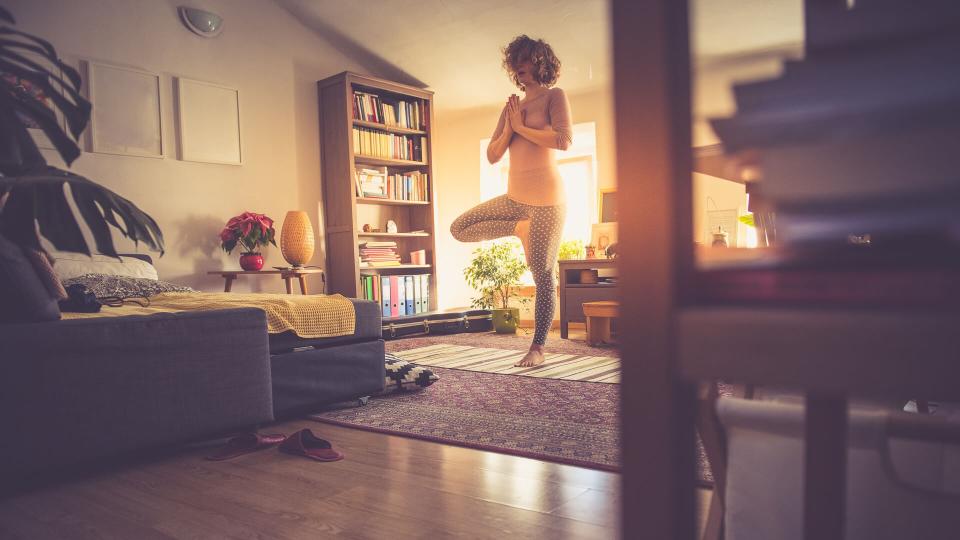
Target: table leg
(228, 283)
(564, 323)
(286, 280)
(303, 284)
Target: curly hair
(539, 53)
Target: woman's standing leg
(493, 219)
(546, 224)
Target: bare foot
(533, 358)
(522, 231)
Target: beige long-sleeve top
(534, 178)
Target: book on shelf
(379, 254)
(397, 295)
(405, 186)
(371, 182)
(408, 114)
(370, 142)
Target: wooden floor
(387, 487)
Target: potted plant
(495, 273)
(34, 84)
(251, 231)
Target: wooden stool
(598, 320)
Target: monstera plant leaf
(34, 85)
(40, 199)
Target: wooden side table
(300, 273)
(573, 293)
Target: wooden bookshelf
(345, 212)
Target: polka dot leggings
(497, 218)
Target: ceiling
(453, 46)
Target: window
(578, 168)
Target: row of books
(400, 113)
(398, 295)
(376, 254)
(373, 143)
(412, 186)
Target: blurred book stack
(378, 254)
(857, 147)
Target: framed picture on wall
(126, 118)
(608, 205)
(208, 116)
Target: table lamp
(296, 238)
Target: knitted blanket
(308, 316)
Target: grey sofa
(77, 390)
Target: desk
(573, 293)
(288, 274)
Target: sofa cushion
(23, 296)
(367, 327)
(71, 265)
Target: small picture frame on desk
(601, 236)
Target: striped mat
(570, 367)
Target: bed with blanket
(323, 348)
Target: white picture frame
(127, 117)
(208, 120)
(602, 235)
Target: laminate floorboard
(387, 487)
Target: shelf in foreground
(398, 202)
(907, 353)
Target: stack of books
(374, 143)
(856, 148)
(379, 254)
(371, 182)
(400, 113)
(398, 295)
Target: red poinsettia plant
(250, 230)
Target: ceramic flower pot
(251, 262)
(505, 320)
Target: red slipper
(244, 444)
(305, 443)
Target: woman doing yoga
(533, 209)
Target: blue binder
(409, 294)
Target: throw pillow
(106, 285)
(403, 375)
(42, 266)
(23, 296)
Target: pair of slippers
(302, 443)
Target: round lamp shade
(296, 238)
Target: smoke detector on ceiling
(200, 22)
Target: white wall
(264, 52)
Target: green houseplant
(34, 85)
(495, 272)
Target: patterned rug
(572, 422)
(517, 342)
(571, 367)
